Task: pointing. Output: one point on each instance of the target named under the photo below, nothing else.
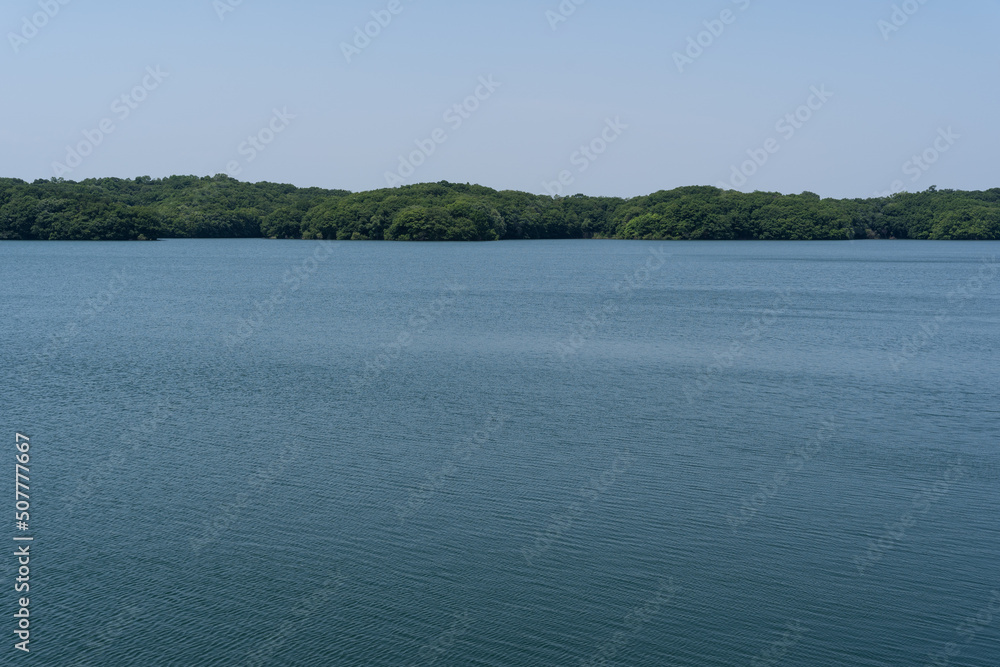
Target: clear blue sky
(892, 98)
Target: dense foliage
(219, 206)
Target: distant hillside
(221, 207)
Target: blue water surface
(250, 452)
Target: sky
(845, 99)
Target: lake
(249, 452)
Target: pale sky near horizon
(922, 83)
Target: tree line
(222, 207)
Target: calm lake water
(251, 452)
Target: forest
(145, 208)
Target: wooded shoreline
(222, 207)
